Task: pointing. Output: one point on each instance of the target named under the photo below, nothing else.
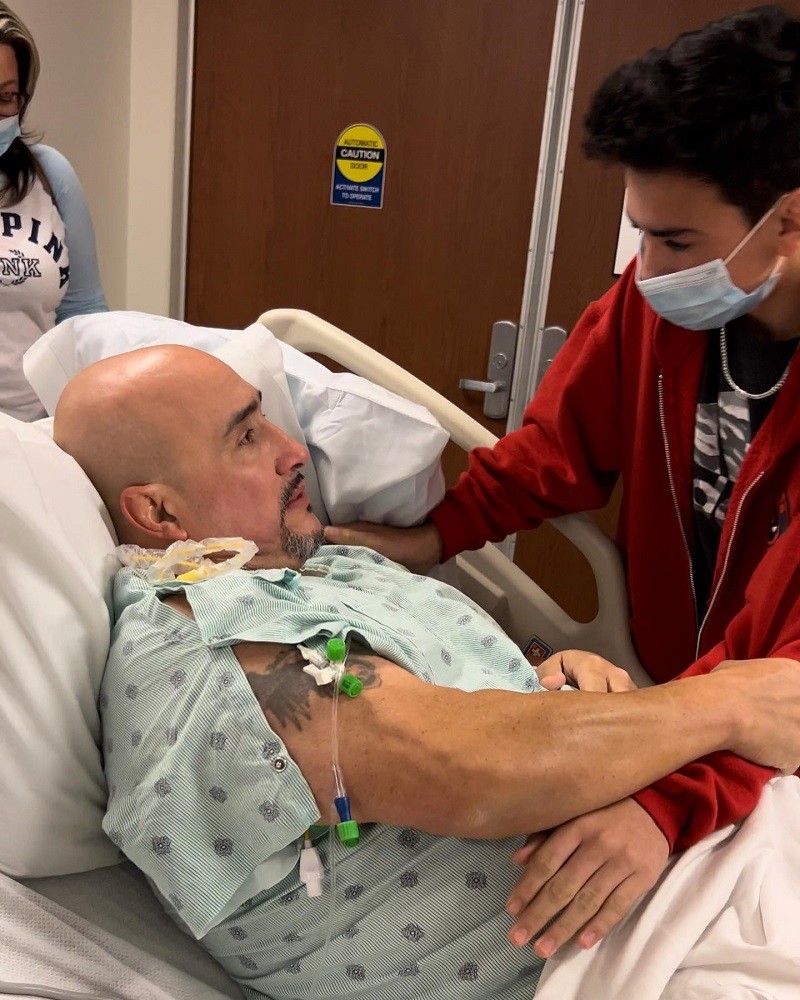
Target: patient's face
(240, 477)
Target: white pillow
(78, 342)
(377, 455)
(58, 559)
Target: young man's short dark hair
(721, 104)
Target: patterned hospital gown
(206, 799)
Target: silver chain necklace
(723, 356)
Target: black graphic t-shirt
(725, 424)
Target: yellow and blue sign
(359, 167)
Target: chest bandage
(189, 561)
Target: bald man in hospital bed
(219, 738)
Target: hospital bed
(73, 919)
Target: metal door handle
(474, 384)
(552, 340)
(501, 363)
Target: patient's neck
(275, 561)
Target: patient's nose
(290, 453)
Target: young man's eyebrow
(664, 233)
(241, 415)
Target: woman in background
(48, 263)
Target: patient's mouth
(294, 492)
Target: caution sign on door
(359, 167)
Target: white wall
(106, 98)
(153, 90)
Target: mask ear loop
(754, 230)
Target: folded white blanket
(722, 924)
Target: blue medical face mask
(704, 297)
(9, 131)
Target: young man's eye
(675, 245)
(248, 437)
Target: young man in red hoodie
(681, 380)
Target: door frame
(530, 360)
(183, 149)
(547, 202)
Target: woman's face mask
(704, 297)
(9, 131)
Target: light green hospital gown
(206, 800)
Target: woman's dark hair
(721, 104)
(18, 165)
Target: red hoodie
(620, 398)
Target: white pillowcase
(58, 355)
(376, 455)
(58, 558)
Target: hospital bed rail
(492, 580)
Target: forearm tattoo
(285, 692)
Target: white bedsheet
(722, 924)
(102, 933)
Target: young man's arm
(495, 763)
(565, 458)
(709, 793)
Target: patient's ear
(147, 508)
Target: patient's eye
(676, 245)
(248, 437)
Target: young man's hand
(417, 548)
(770, 686)
(592, 869)
(585, 671)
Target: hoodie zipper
(745, 495)
(674, 492)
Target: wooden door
(457, 89)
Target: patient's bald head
(175, 443)
(117, 419)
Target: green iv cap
(335, 650)
(349, 834)
(351, 685)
